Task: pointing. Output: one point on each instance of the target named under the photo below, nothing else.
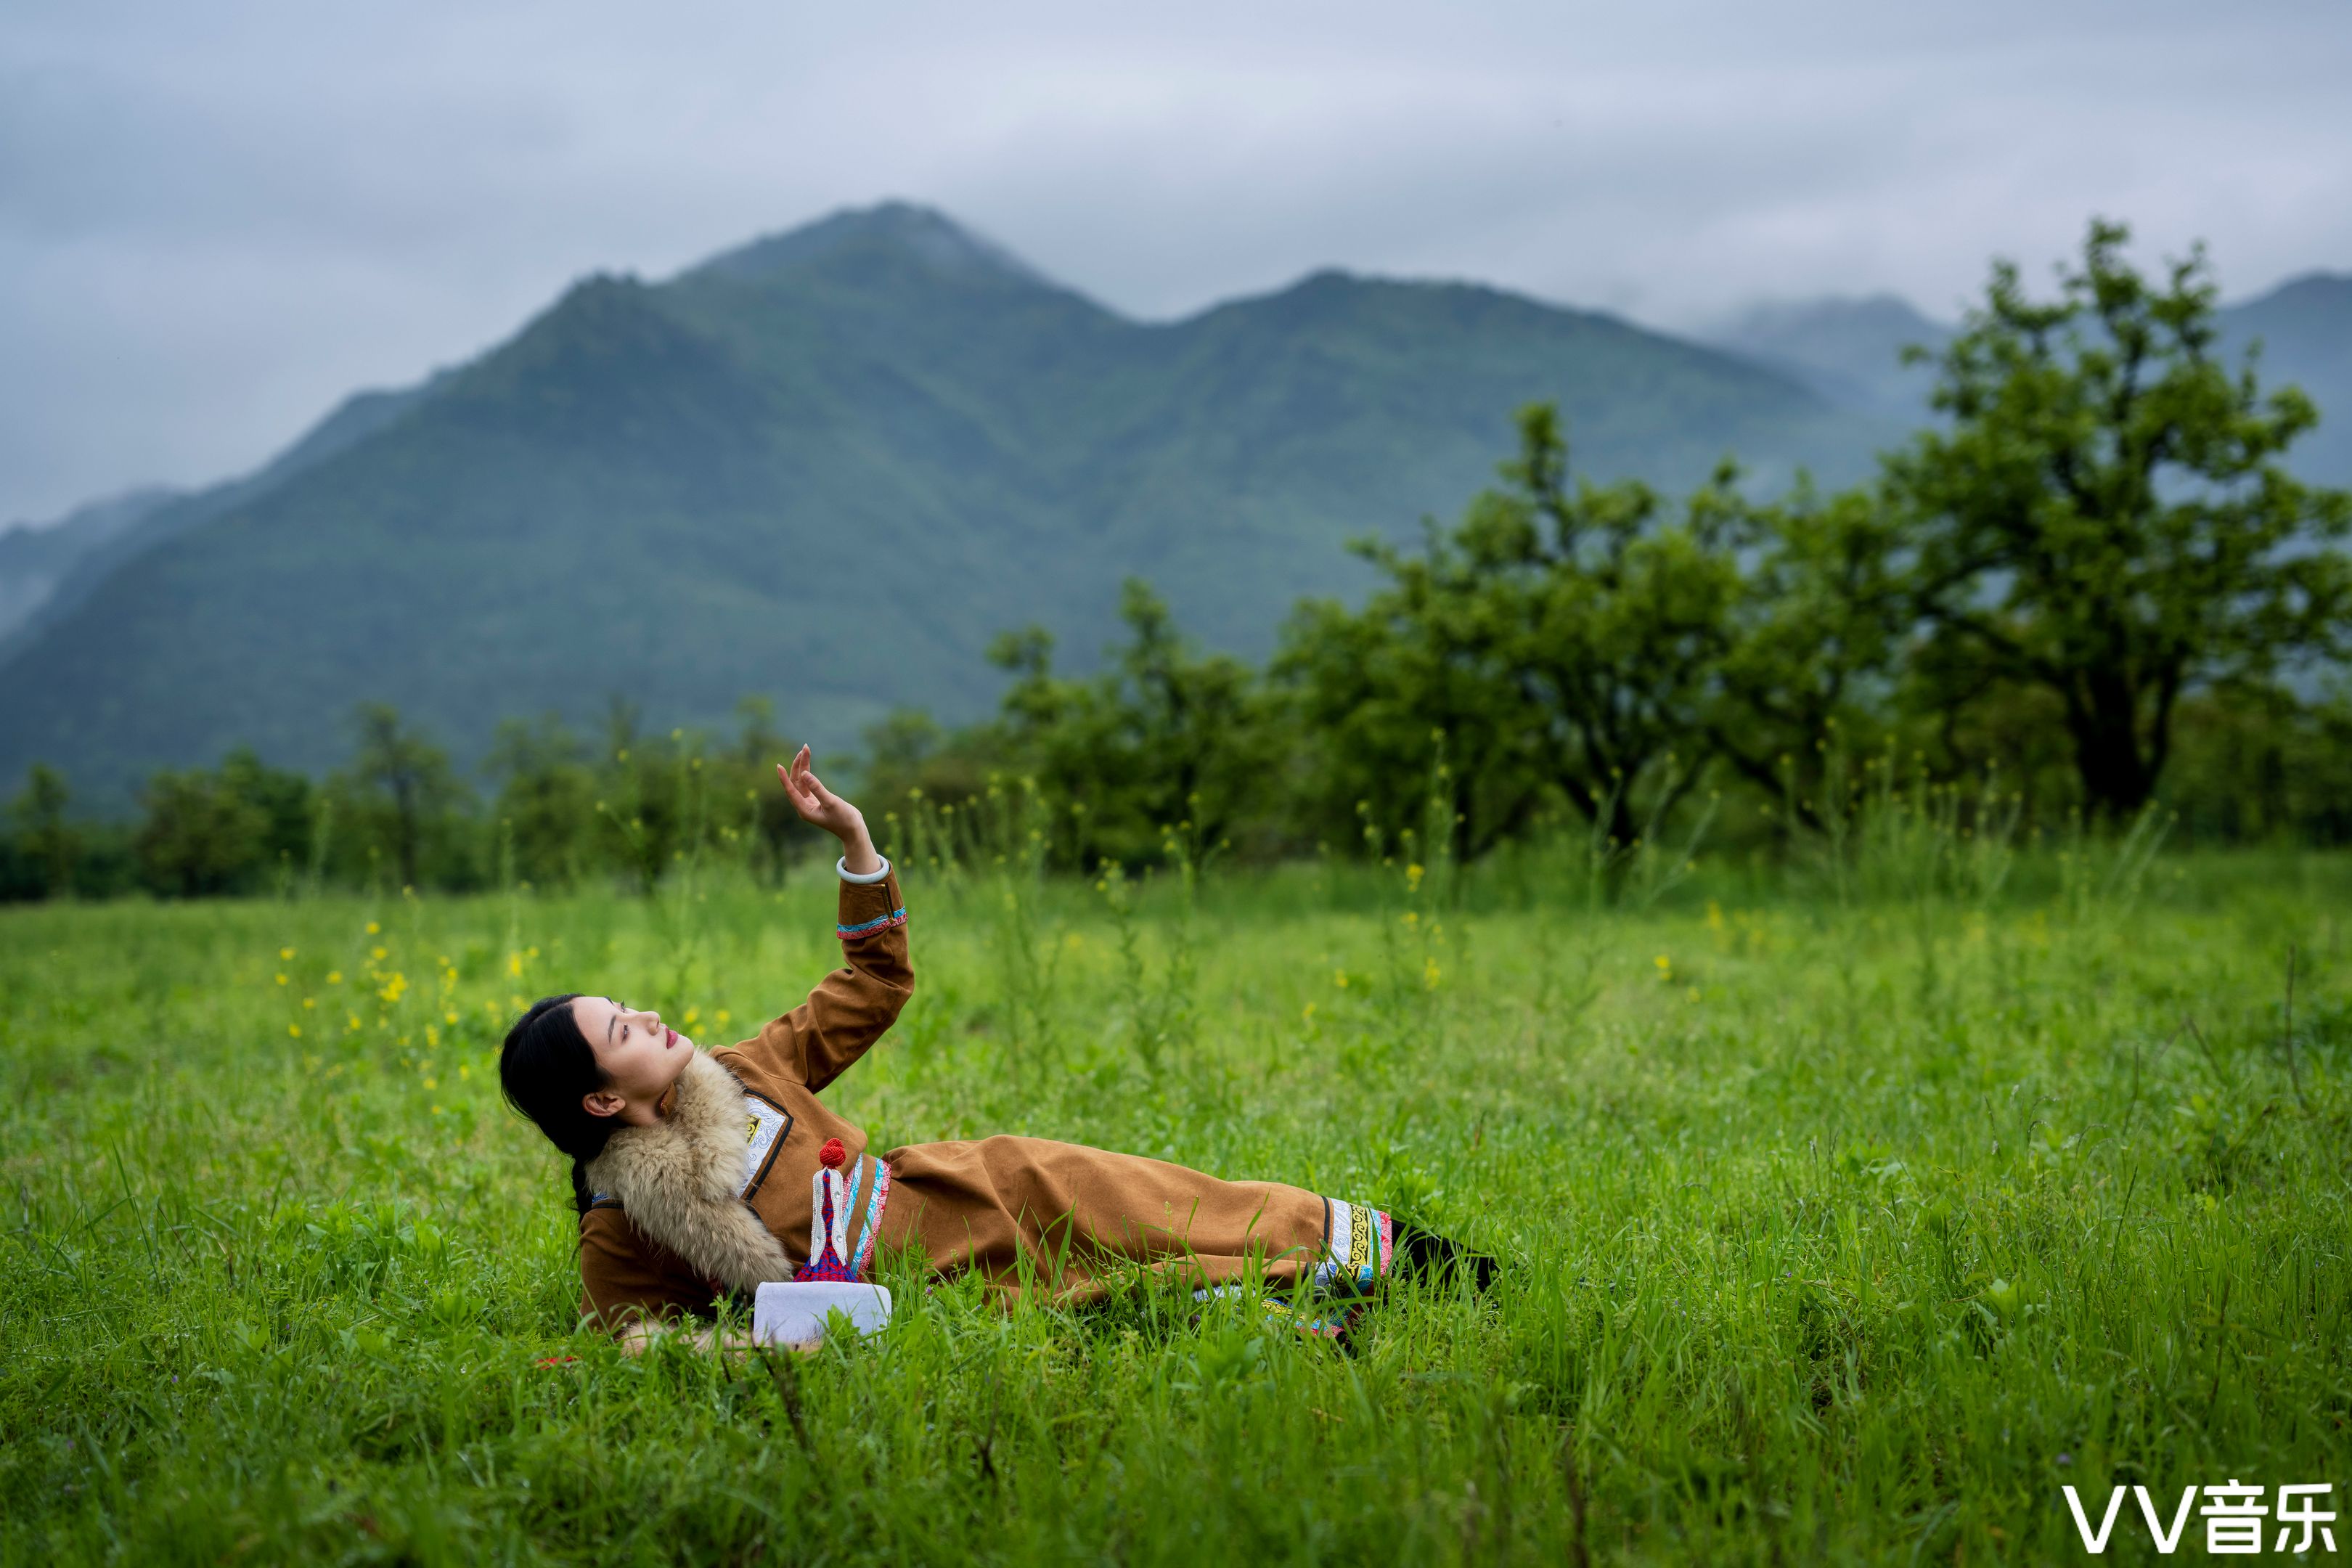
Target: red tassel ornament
(832, 1154)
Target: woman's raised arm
(852, 1006)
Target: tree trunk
(2117, 779)
(1623, 829)
(404, 818)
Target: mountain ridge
(826, 465)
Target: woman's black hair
(546, 1069)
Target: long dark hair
(546, 1067)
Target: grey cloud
(214, 220)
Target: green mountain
(47, 570)
(1849, 351)
(828, 466)
(2304, 327)
(36, 559)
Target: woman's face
(641, 1057)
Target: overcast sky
(217, 219)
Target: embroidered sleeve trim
(896, 916)
(1359, 1247)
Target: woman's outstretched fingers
(797, 786)
(816, 804)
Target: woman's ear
(603, 1102)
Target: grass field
(1848, 1217)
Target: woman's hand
(820, 807)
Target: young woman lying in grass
(698, 1175)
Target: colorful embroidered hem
(1359, 1248)
(896, 916)
(833, 1205)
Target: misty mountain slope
(2304, 327)
(34, 558)
(828, 466)
(1849, 351)
(149, 517)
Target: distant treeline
(558, 810)
(2091, 589)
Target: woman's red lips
(671, 1033)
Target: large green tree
(401, 791)
(1811, 648)
(45, 839)
(197, 839)
(655, 796)
(1563, 637)
(203, 833)
(1164, 738)
(546, 806)
(2103, 515)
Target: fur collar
(681, 1180)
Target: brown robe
(1026, 1214)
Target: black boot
(1429, 1256)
